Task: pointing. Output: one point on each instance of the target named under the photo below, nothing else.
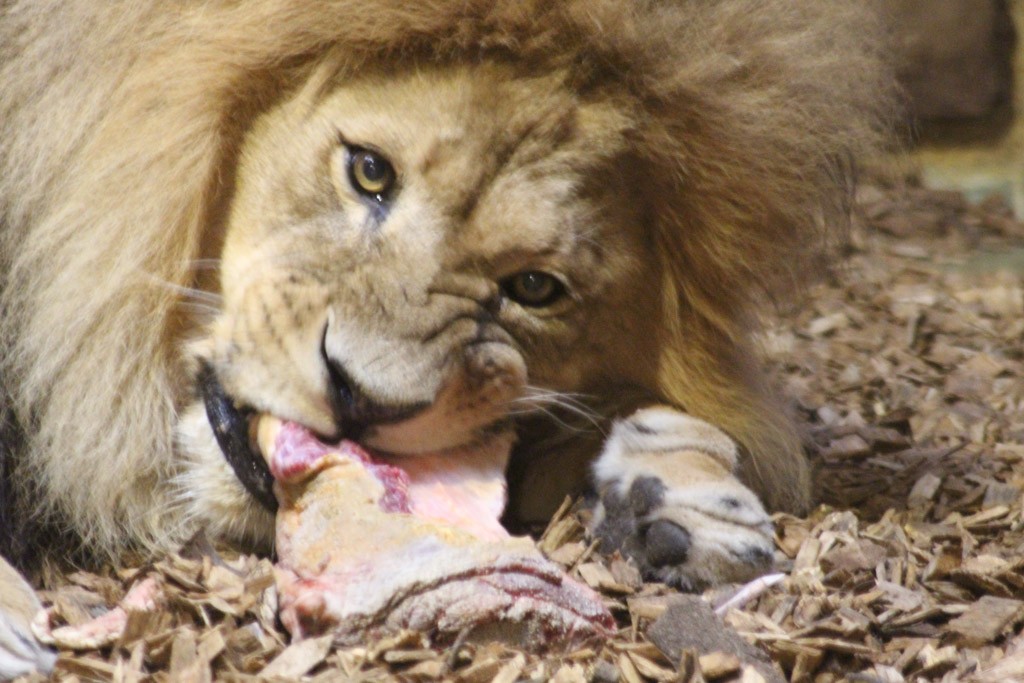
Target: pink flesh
(368, 547)
(466, 491)
(300, 455)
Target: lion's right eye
(370, 173)
(534, 289)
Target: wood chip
(299, 658)
(715, 665)
(985, 620)
(628, 670)
(509, 673)
(649, 669)
(569, 673)
(924, 490)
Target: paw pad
(666, 543)
(686, 543)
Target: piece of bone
(369, 547)
(749, 591)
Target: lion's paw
(669, 500)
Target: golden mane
(119, 132)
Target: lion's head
(409, 222)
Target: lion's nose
(354, 410)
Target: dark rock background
(953, 56)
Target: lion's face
(407, 255)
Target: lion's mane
(119, 127)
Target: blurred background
(961, 65)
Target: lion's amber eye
(533, 288)
(370, 173)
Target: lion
(416, 225)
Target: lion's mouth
(232, 427)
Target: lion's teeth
(265, 428)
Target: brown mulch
(907, 369)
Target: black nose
(354, 409)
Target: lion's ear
(20, 653)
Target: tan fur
(732, 125)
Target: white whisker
(550, 414)
(204, 264)
(202, 309)
(198, 296)
(552, 403)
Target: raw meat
(368, 547)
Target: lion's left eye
(370, 174)
(533, 288)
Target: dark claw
(673, 578)
(666, 543)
